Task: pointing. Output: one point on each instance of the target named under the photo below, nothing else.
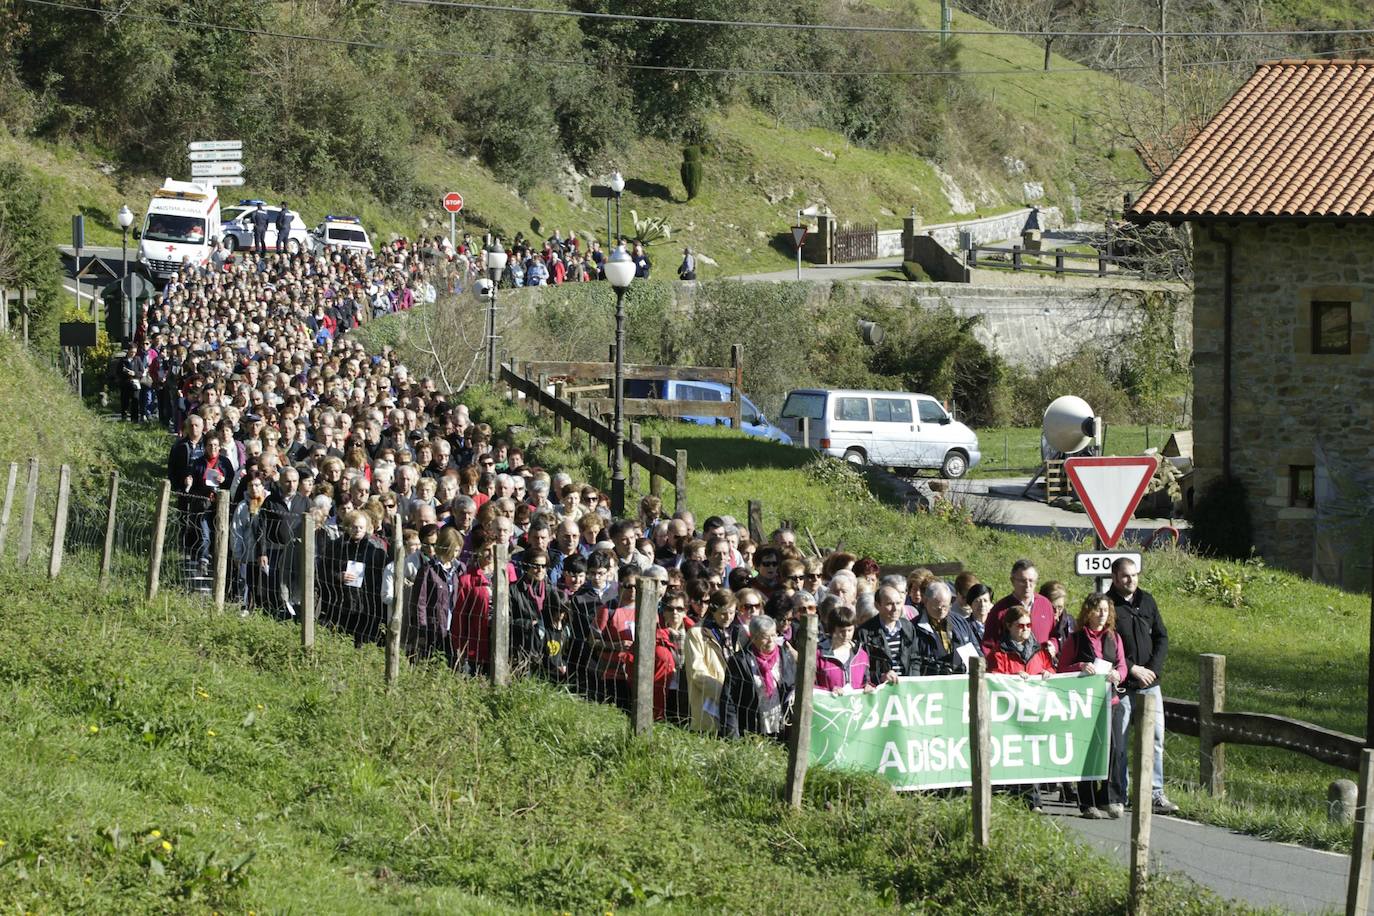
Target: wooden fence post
(398, 602)
(680, 483)
(26, 523)
(634, 465)
(655, 482)
(1357, 895)
(306, 610)
(500, 619)
(737, 384)
(221, 548)
(1142, 799)
(1211, 702)
(980, 750)
(646, 630)
(756, 522)
(111, 526)
(559, 429)
(159, 537)
(59, 521)
(9, 506)
(799, 738)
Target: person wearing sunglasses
(769, 561)
(1018, 652)
(708, 649)
(528, 597)
(618, 634)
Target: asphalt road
(1234, 865)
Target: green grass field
(1015, 449)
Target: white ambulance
(182, 222)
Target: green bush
(691, 170)
(1086, 374)
(915, 272)
(1221, 524)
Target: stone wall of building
(1291, 408)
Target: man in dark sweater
(1146, 640)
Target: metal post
(9, 505)
(617, 219)
(499, 637)
(618, 458)
(609, 240)
(159, 538)
(124, 280)
(111, 521)
(221, 548)
(799, 739)
(980, 750)
(306, 610)
(26, 523)
(646, 631)
(1142, 799)
(398, 602)
(59, 521)
(799, 251)
(491, 332)
(453, 230)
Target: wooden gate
(853, 243)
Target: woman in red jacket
(1020, 653)
(1096, 648)
(470, 629)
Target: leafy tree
(28, 260)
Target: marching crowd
(249, 360)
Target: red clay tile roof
(1297, 140)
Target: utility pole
(946, 18)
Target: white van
(895, 429)
(182, 223)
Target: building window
(1331, 327)
(1302, 486)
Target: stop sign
(453, 201)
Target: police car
(344, 232)
(237, 226)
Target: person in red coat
(1096, 648)
(470, 629)
(1024, 579)
(1019, 652)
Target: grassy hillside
(161, 759)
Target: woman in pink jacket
(1096, 648)
(843, 662)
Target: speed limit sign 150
(1099, 563)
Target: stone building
(1278, 190)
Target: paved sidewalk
(1234, 865)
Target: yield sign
(1110, 489)
(798, 235)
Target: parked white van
(181, 225)
(895, 429)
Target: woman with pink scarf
(759, 685)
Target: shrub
(915, 272)
(691, 170)
(1221, 522)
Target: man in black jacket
(889, 638)
(1146, 640)
(283, 227)
(260, 220)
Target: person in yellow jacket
(707, 650)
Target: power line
(662, 68)
(877, 29)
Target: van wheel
(293, 246)
(856, 456)
(955, 465)
(231, 242)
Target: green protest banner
(915, 733)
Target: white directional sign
(1099, 562)
(1110, 489)
(224, 181)
(201, 169)
(215, 155)
(196, 146)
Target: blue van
(752, 419)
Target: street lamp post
(617, 188)
(620, 270)
(496, 264)
(126, 219)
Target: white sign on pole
(198, 145)
(1099, 562)
(1110, 489)
(223, 181)
(215, 155)
(200, 169)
